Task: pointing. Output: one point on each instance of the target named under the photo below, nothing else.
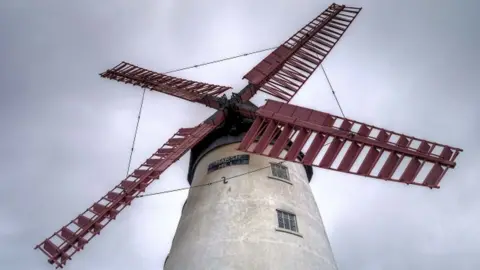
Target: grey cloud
(66, 133)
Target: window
(287, 221)
(280, 171)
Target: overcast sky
(410, 66)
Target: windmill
(239, 135)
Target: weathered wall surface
(234, 225)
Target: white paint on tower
(235, 225)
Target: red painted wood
(402, 141)
(285, 113)
(346, 125)
(382, 136)
(189, 90)
(389, 166)
(300, 120)
(249, 138)
(424, 147)
(105, 210)
(314, 149)
(410, 172)
(364, 131)
(281, 142)
(284, 71)
(434, 176)
(350, 156)
(266, 137)
(332, 151)
(446, 153)
(297, 145)
(368, 162)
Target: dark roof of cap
(231, 131)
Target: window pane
(287, 221)
(281, 223)
(280, 220)
(280, 171)
(294, 224)
(287, 225)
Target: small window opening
(280, 171)
(287, 221)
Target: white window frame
(283, 216)
(272, 176)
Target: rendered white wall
(234, 225)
